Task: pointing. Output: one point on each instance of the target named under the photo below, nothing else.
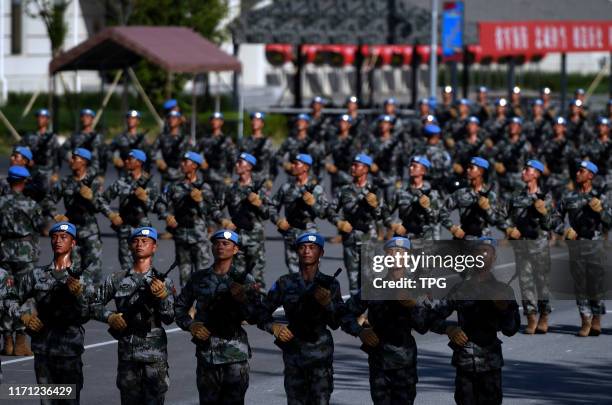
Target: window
(16, 27)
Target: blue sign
(452, 28)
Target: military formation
(467, 166)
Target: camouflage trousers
(19, 270)
(59, 370)
(533, 266)
(289, 237)
(312, 385)
(252, 255)
(191, 257)
(142, 383)
(390, 387)
(352, 244)
(90, 251)
(483, 388)
(588, 272)
(222, 383)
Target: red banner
(537, 37)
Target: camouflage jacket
(520, 212)
(474, 220)
(456, 128)
(124, 142)
(557, 154)
(21, 220)
(9, 295)
(343, 151)
(512, 154)
(496, 128)
(417, 220)
(350, 205)
(170, 148)
(440, 159)
(600, 153)
(118, 287)
(385, 153)
(465, 151)
(243, 214)
(587, 223)
(133, 211)
(263, 150)
(219, 152)
(92, 141)
(537, 131)
(61, 313)
(293, 145)
(297, 212)
(220, 313)
(45, 150)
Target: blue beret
(430, 118)
(603, 121)
(422, 160)
(194, 157)
(226, 234)
(473, 120)
(259, 115)
(304, 158)
(310, 237)
(169, 104)
(248, 158)
(18, 173)
(390, 100)
(317, 100)
(465, 101)
(424, 101)
(64, 227)
(88, 111)
(23, 151)
(133, 114)
(483, 89)
(538, 101)
(304, 117)
(501, 102)
(352, 99)
(363, 158)
(174, 113)
(397, 242)
(447, 89)
(216, 115)
(579, 92)
(487, 240)
(560, 121)
(82, 152)
(536, 164)
(590, 166)
(480, 162)
(432, 129)
(42, 112)
(138, 154)
(516, 120)
(145, 231)
(385, 118)
(346, 118)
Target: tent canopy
(175, 49)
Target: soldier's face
(516, 98)
(242, 166)
(143, 247)
(559, 129)
(344, 126)
(500, 109)
(474, 172)
(514, 128)
(62, 243)
(359, 169)
(77, 162)
(132, 163)
(472, 128)
(42, 120)
(301, 125)
(574, 109)
(17, 159)
(603, 130)
(174, 122)
(482, 97)
(417, 170)
(216, 123)
(352, 107)
(384, 126)
(257, 124)
(489, 257)
(188, 166)
(309, 253)
(86, 120)
(583, 175)
(317, 107)
(529, 174)
(299, 168)
(224, 249)
(538, 110)
(132, 122)
(447, 97)
(464, 109)
(424, 109)
(390, 109)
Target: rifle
(137, 316)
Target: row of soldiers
(54, 301)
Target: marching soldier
(262, 148)
(484, 110)
(299, 141)
(224, 297)
(385, 152)
(471, 145)
(312, 302)
(319, 124)
(495, 127)
(303, 200)
(537, 129)
(342, 148)
(550, 109)
(128, 140)
(87, 138)
(456, 127)
(399, 125)
(516, 103)
(137, 193)
(169, 147)
(57, 307)
(600, 152)
(144, 300)
(359, 124)
(445, 111)
(557, 155)
(440, 159)
(578, 129)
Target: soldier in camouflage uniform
(186, 205)
(143, 300)
(168, 149)
(248, 206)
(9, 301)
(446, 111)
(299, 141)
(578, 129)
(455, 129)
(262, 148)
(123, 143)
(55, 315)
(400, 126)
(483, 110)
(303, 200)
(219, 152)
(224, 297)
(471, 145)
(355, 210)
(36, 187)
(600, 152)
(87, 138)
(589, 216)
(537, 129)
(342, 148)
(21, 220)
(495, 127)
(557, 155)
(440, 159)
(80, 192)
(477, 352)
(477, 204)
(319, 124)
(528, 218)
(550, 109)
(516, 103)
(312, 302)
(359, 125)
(385, 152)
(137, 193)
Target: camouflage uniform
(464, 151)
(133, 211)
(219, 152)
(537, 131)
(93, 142)
(579, 131)
(393, 363)
(308, 357)
(586, 256)
(223, 368)
(301, 216)
(558, 155)
(142, 370)
(385, 153)
(474, 220)
(192, 247)
(58, 346)
(46, 153)
(420, 222)
(496, 128)
(9, 302)
(171, 149)
(82, 213)
(513, 155)
(122, 145)
(600, 153)
(441, 163)
(456, 128)
(263, 150)
(342, 151)
(294, 145)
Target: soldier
(219, 151)
(137, 193)
(87, 138)
(472, 145)
(262, 148)
(57, 308)
(130, 139)
(248, 206)
(417, 205)
(495, 127)
(589, 216)
(144, 299)
(537, 129)
(299, 141)
(185, 206)
(440, 159)
(20, 222)
(385, 152)
(392, 351)
(22, 156)
(557, 155)
(312, 302)
(600, 152)
(446, 111)
(416, 125)
(303, 200)
(318, 129)
(342, 148)
(400, 126)
(169, 147)
(477, 354)
(477, 204)
(528, 217)
(484, 110)
(223, 298)
(359, 126)
(516, 103)
(80, 194)
(578, 129)
(9, 300)
(355, 210)
(455, 128)
(550, 110)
